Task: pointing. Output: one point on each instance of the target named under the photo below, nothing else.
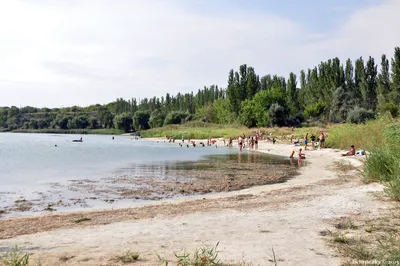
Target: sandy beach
(248, 224)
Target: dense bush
(391, 108)
(175, 117)
(359, 115)
(123, 122)
(141, 120)
(314, 110)
(277, 115)
(156, 119)
(381, 138)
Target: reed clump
(381, 139)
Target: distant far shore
(103, 131)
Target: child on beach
(301, 155)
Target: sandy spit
(248, 224)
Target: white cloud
(84, 52)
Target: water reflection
(298, 162)
(165, 179)
(162, 169)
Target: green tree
(395, 75)
(359, 78)
(93, 123)
(383, 88)
(315, 110)
(292, 94)
(277, 115)
(123, 122)
(141, 120)
(222, 112)
(175, 117)
(206, 113)
(247, 114)
(156, 119)
(78, 122)
(369, 84)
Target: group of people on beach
(318, 143)
(315, 142)
(251, 141)
(210, 142)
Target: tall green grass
(197, 130)
(201, 130)
(366, 136)
(381, 137)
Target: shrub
(203, 256)
(391, 108)
(123, 122)
(314, 110)
(359, 115)
(175, 117)
(15, 257)
(156, 119)
(277, 115)
(141, 120)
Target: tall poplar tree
(369, 85)
(383, 89)
(395, 86)
(359, 76)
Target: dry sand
(248, 224)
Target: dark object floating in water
(77, 140)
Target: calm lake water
(34, 169)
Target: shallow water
(36, 176)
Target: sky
(83, 52)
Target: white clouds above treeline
(61, 53)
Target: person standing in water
(183, 139)
(240, 143)
(256, 142)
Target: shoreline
(259, 206)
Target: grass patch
(15, 257)
(343, 166)
(129, 257)
(346, 224)
(381, 137)
(372, 240)
(201, 130)
(197, 131)
(345, 170)
(340, 238)
(364, 136)
(204, 256)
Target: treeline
(332, 91)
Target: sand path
(247, 224)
